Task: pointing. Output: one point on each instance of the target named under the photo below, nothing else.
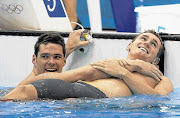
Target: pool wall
(16, 56)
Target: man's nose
(51, 61)
(147, 43)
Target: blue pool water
(139, 106)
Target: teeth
(51, 70)
(143, 49)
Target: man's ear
(64, 61)
(156, 61)
(129, 46)
(34, 59)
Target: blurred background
(134, 15)
(98, 15)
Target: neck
(34, 71)
(134, 57)
(131, 57)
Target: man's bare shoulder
(28, 79)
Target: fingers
(80, 31)
(102, 63)
(111, 63)
(74, 39)
(97, 64)
(98, 67)
(157, 71)
(77, 32)
(160, 73)
(156, 77)
(157, 74)
(123, 63)
(83, 43)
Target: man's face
(50, 58)
(145, 47)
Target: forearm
(69, 51)
(139, 87)
(71, 8)
(164, 86)
(86, 73)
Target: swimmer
(74, 42)
(137, 74)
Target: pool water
(139, 106)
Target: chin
(143, 59)
(139, 57)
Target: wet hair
(161, 49)
(46, 38)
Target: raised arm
(74, 42)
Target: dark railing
(104, 35)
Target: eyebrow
(49, 54)
(145, 35)
(58, 54)
(45, 54)
(153, 39)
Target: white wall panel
(171, 62)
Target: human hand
(110, 66)
(74, 41)
(144, 68)
(122, 62)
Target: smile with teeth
(51, 69)
(143, 49)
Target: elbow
(168, 90)
(162, 93)
(165, 92)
